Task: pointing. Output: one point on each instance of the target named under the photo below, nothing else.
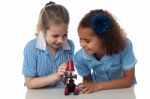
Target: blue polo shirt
(38, 63)
(109, 67)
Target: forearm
(123, 82)
(37, 82)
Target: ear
(39, 29)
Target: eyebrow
(57, 33)
(85, 38)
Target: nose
(60, 40)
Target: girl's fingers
(62, 69)
(84, 90)
(88, 92)
(63, 66)
(80, 85)
(62, 72)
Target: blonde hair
(52, 14)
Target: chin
(89, 52)
(55, 46)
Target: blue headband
(100, 23)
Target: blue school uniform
(38, 62)
(109, 67)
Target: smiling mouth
(86, 50)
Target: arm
(123, 82)
(38, 82)
(128, 61)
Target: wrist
(99, 86)
(57, 76)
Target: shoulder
(128, 42)
(127, 50)
(79, 55)
(70, 41)
(127, 55)
(31, 45)
(31, 42)
(79, 52)
(71, 44)
(128, 46)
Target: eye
(55, 36)
(65, 35)
(87, 41)
(80, 39)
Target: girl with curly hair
(106, 60)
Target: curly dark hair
(113, 39)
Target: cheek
(49, 39)
(91, 46)
(97, 46)
(99, 42)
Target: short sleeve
(128, 58)
(29, 62)
(80, 64)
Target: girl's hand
(61, 70)
(89, 87)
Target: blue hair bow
(100, 23)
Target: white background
(18, 19)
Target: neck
(98, 56)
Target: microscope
(69, 78)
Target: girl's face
(91, 43)
(56, 35)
